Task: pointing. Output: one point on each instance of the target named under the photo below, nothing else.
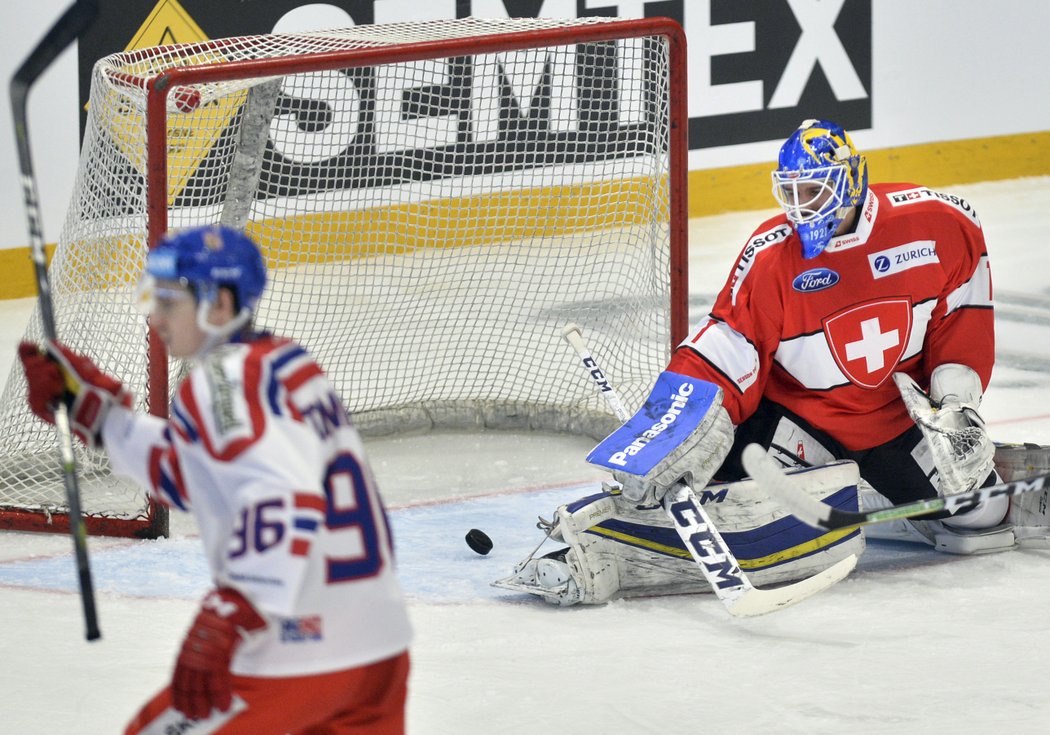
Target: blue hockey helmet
(819, 178)
(206, 259)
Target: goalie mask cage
(435, 201)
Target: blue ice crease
(434, 563)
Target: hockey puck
(479, 541)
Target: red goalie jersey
(908, 290)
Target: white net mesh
(429, 226)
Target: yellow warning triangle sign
(168, 23)
(192, 134)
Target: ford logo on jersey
(815, 279)
(675, 407)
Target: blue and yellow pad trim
(784, 540)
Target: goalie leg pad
(951, 539)
(900, 529)
(619, 548)
(1019, 461)
(773, 546)
(1029, 513)
(1027, 522)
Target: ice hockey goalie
(856, 326)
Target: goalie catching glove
(681, 433)
(962, 450)
(59, 374)
(202, 677)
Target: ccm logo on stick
(702, 541)
(597, 374)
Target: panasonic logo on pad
(678, 402)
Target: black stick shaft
(65, 30)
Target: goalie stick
(807, 509)
(65, 30)
(705, 544)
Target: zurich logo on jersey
(815, 279)
(881, 264)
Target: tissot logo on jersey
(903, 257)
(759, 242)
(923, 194)
(767, 238)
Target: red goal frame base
(154, 525)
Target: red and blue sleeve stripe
(166, 476)
(309, 511)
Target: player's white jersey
(262, 451)
(908, 290)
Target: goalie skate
(1027, 522)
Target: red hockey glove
(202, 672)
(44, 379)
(64, 375)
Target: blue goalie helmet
(209, 258)
(819, 178)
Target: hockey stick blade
(721, 570)
(766, 471)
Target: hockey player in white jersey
(306, 628)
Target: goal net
(435, 202)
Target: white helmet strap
(218, 334)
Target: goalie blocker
(681, 433)
(621, 543)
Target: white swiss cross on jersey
(868, 340)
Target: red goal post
(434, 199)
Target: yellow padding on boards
(711, 191)
(331, 237)
(19, 274)
(794, 552)
(499, 217)
(949, 163)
